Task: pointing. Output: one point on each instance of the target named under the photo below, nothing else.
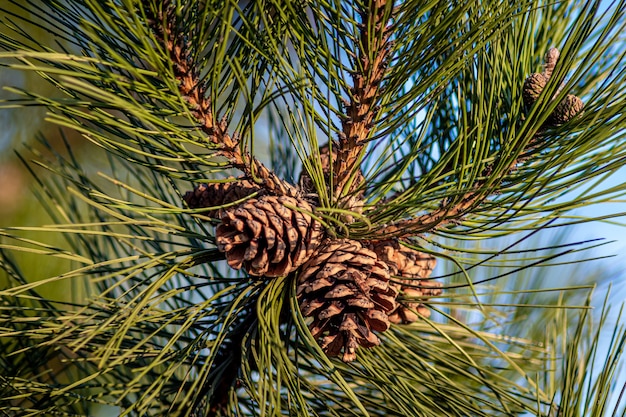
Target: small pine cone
(345, 288)
(216, 194)
(552, 56)
(533, 86)
(567, 109)
(414, 267)
(266, 238)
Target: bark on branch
(372, 57)
(164, 25)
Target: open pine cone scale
(345, 288)
(266, 238)
(348, 288)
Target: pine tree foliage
(429, 145)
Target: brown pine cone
(535, 83)
(345, 288)
(217, 194)
(533, 86)
(412, 308)
(404, 261)
(567, 109)
(551, 58)
(412, 268)
(265, 237)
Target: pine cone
(345, 288)
(414, 267)
(533, 86)
(552, 56)
(220, 193)
(566, 110)
(265, 237)
(535, 83)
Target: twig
(164, 25)
(372, 56)
(453, 210)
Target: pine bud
(552, 56)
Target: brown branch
(194, 91)
(454, 210)
(360, 111)
(446, 214)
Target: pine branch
(162, 338)
(452, 210)
(164, 25)
(372, 59)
